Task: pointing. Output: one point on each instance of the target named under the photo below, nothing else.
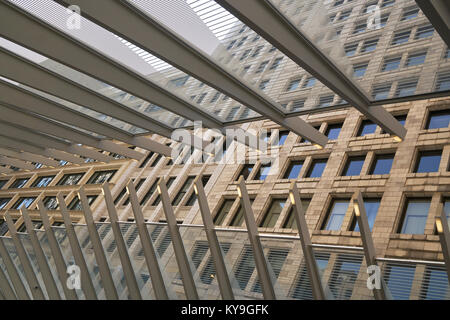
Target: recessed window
(290, 222)
(353, 166)
(231, 44)
(401, 37)
(276, 63)
(147, 159)
(428, 161)
(344, 15)
(257, 51)
(367, 127)
(359, 69)
(272, 215)
(282, 136)
(246, 170)
(19, 183)
(214, 98)
(333, 131)
(156, 161)
(4, 202)
(382, 164)
(370, 7)
(70, 179)
(263, 84)
(336, 215)
(406, 88)
(360, 27)
(447, 53)
(391, 64)
(316, 168)
(298, 104)
(100, 177)
(261, 67)
(238, 218)
(381, 91)
(424, 32)
(309, 82)
(410, 13)
(23, 202)
(416, 59)
(293, 170)
(438, 119)
(223, 211)
(387, 3)
(338, 3)
(443, 81)
(371, 206)
(76, 205)
(263, 172)
(2, 183)
(168, 185)
(136, 187)
(369, 45)
(350, 49)
(415, 216)
(325, 101)
(184, 189)
(241, 42)
(50, 203)
(193, 197)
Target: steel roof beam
(438, 12)
(265, 19)
(16, 163)
(26, 30)
(15, 96)
(29, 157)
(154, 37)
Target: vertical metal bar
(86, 281)
(16, 281)
(58, 258)
(5, 287)
(367, 241)
(159, 287)
(253, 235)
(32, 280)
(105, 272)
(214, 246)
(305, 240)
(50, 284)
(178, 247)
(444, 236)
(128, 271)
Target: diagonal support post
(443, 231)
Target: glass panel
(415, 216)
(273, 213)
(316, 168)
(428, 161)
(354, 166)
(336, 215)
(399, 279)
(293, 170)
(371, 206)
(438, 119)
(382, 164)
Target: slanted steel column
(32, 280)
(86, 281)
(177, 242)
(105, 272)
(214, 247)
(367, 241)
(16, 281)
(253, 235)
(50, 284)
(58, 258)
(151, 258)
(444, 236)
(128, 271)
(305, 240)
(5, 287)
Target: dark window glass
(149, 193)
(184, 189)
(23, 202)
(223, 212)
(316, 168)
(238, 218)
(333, 131)
(19, 183)
(438, 119)
(416, 59)
(2, 183)
(245, 171)
(428, 161)
(42, 181)
(282, 137)
(70, 179)
(147, 159)
(382, 164)
(263, 172)
(271, 217)
(168, 184)
(100, 177)
(293, 170)
(289, 222)
(353, 166)
(4, 202)
(391, 64)
(50, 203)
(75, 204)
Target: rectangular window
(428, 161)
(276, 63)
(2, 183)
(382, 164)
(391, 64)
(344, 15)
(415, 216)
(399, 279)
(350, 49)
(158, 198)
(371, 206)
(344, 275)
(193, 197)
(23, 202)
(4, 202)
(50, 203)
(410, 13)
(359, 69)
(333, 131)
(75, 204)
(282, 136)
(290, 222)
(435, 284)
(293, 170)
(360, 27)
(215, 97)
(3, 228)
(415, 59)
(293, 84)
(99, 177)
(70, 179)
(326, 101)
(367, 127)
(245, 171)
(232, 113)
(443, 82)
(231, 44)
(257, 51)
(336, 215)
(149, 193)
(136, 187)
(245, 54)
(241, 42)
(263, 172)
(369, 45)
(298, 104)
(184, 189)
(261, 67)
(201, 97)
(316, 168)
(438, 119)
(424, 32)
(156, 161)
(309, 82)
(19, 183)
(42, 182)
(238, 218)
(401, 37)
(179, 82)
(263, 84)
(245, 267)
(387, 3)
(271, 217)
(381, 91)
(353, 166)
